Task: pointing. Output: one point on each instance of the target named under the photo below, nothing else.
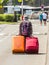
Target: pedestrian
(44, 17)
(25, 28)
(41, 18)
(47, 14)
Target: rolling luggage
(17, 44)
(32, 45)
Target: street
(6, 56)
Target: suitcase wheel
(32, 52)
(13, 52)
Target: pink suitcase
(32, 45)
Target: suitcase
(32, 45)
(17, 44)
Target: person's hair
(26, 18)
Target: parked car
(35, 15)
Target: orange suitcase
(17, 44)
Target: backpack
(25, 28)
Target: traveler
(25, 28)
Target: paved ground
(6, 56)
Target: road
(6, 56)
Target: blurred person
(25, 28)
(47, 14)
(41, 18)
(44, 17)
(22, 17)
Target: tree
(5, 2)
(2, 2)
(14, 2)
(31, 2)
(46, 2)
(1, 8)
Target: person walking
(44, 17)
(41, 18)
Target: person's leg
(41, 22)
(45, 22)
